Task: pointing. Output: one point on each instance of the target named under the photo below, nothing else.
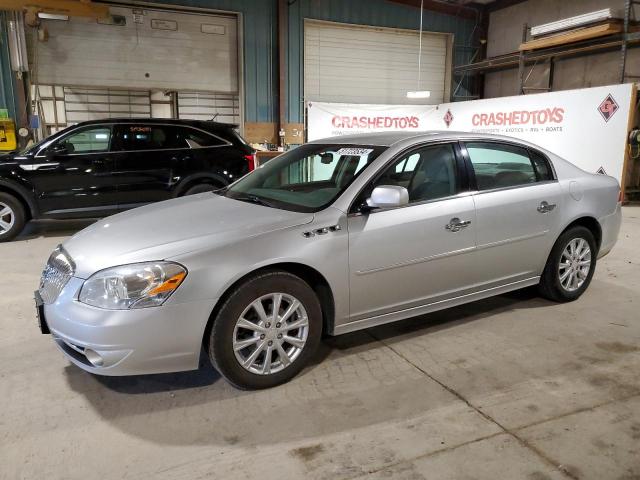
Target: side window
(500, 165)
(408, 164)
(541, 164)
(147, 137)
(428, 173)
(193, 138)
(88, 140)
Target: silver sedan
(334, 236)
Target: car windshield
(306, 179)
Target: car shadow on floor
(352, 383)
(207, 376)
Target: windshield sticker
(360, 152)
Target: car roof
(180, 121)
(387, 139)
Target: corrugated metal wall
(260, 42)
(7, 97)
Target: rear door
(517, 207)
(74, 176)
(211, 159)
(149, 153)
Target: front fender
(22, 189)
(212, 273)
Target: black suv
(97, 168)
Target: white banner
(334, 119)
(588, 127)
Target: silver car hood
(166, 229)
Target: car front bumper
(160, 339)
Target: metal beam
(511, 59)
(73, 8)
(500, 4)
(458, 10)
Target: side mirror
(388, 196)
(58, 149)
(326, 158)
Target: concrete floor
(507, 388)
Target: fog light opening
(93, 357)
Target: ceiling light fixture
(53, 16)
(419, 94)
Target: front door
(418, 254)
(74, 176)
(517, 209)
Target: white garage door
(355, 64)
(88, 70)
(154, 49)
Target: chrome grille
(58, 271)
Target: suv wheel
(570, 266)
(12, 217)
(266, 331)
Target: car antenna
(214, 116)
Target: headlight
(138, 285)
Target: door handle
(455, 224)
(546, 207)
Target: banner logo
(608, 108)
(448, 118)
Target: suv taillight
(620, 196)
(252, 161)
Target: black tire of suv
(549, 286)
(221, 351)
(201, 188)
(19, 215)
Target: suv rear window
(194, 138)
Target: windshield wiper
(253, 199)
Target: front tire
(570, 266)
(266, 331)
(12, 217)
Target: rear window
(195, 138)
(234, 136)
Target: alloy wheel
(271, 333)
(7, 218)
(575, 264)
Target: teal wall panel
(7, 89)
(260, 51)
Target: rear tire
(12, 217)
(253, 348)
(570, 266)
(201, 188)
